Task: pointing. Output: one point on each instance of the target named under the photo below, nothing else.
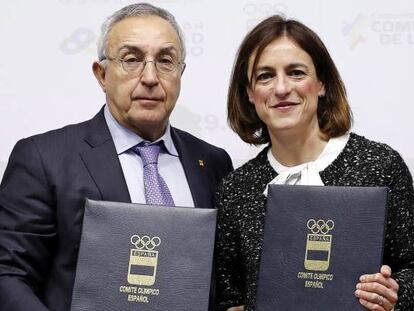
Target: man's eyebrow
(129, 48)
(132, 48)
(168, 49)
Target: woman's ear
(99, 72)
(322, 91)
(250, 94)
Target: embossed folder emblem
(143, 260)
(147, 258)
(317, 242)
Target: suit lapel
(195, 170)
(102, 161)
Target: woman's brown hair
(334, 113)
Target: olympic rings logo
(145, 242)
(320, 226)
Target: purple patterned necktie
(156, 190)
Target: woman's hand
(378, 291)
(239, 308)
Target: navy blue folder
(318, 241)
(141, 257)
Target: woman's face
(285, 88)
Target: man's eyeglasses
(135, 65)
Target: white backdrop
(47, 48)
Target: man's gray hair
(133, 10)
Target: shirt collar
(124, 139)
(307, 173)
(331, 151)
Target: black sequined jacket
(241, 206)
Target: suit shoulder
(61, 137)
(366, 162)
(196, 142)
(251, 177)
(373, 150)
(61, 142)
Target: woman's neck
(291, 149)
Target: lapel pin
(201, 163)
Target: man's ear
(99, 72)
(182, 69)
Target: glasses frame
(144, 63)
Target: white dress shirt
(307, 173)
(169, 164)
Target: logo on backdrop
(257, 11)
(194, 38)
(77, 41)
(390, 29)
(355, 31)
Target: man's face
(141, 101)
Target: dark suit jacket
(42, 197)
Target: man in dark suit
(48, 177)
